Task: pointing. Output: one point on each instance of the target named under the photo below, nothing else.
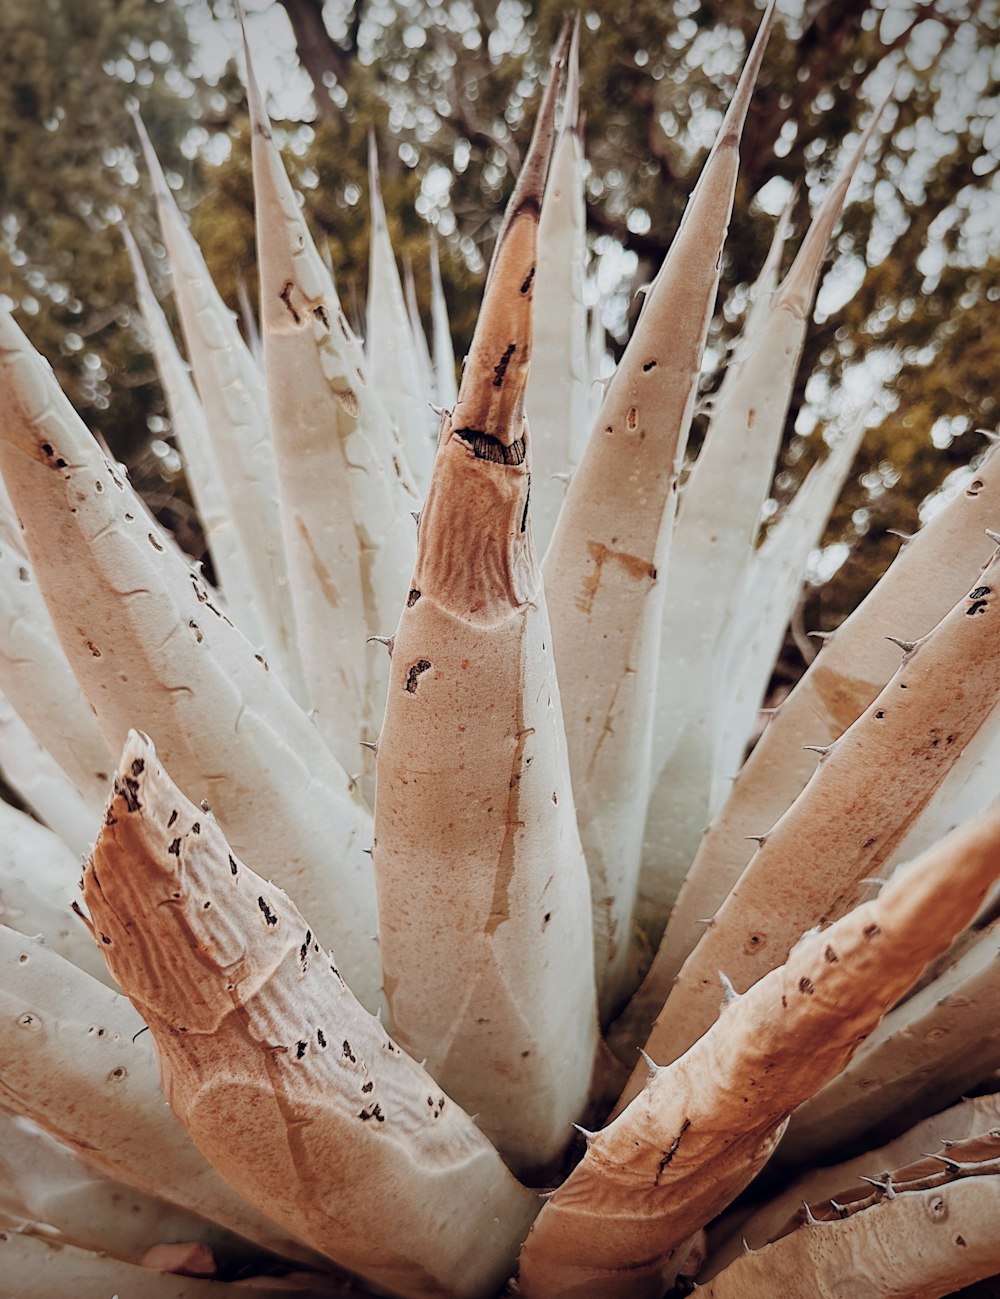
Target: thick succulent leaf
(484, 907)
(930, 1232)
(445, 385)
(150, 648)
(39, 683)
(739, 1230)
(43, 1181)
(968, 789)
(39, 884)
(710, 554)
(866, 791)
(558, 389)
(603, 570)
(928, 575)
(393, 363)
(417, 331)
(344, 483)
(772, 586)
(201, 463)
(771, 590)
(702, 1127)
(76, 1060)
(37, 1267)
(928, 1052)
(41, 784)
(293, 1091)
(232, 389)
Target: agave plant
(543, 745)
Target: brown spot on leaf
(669, 1154)
(485, 446)
(500, 369)
(318, 567)
(286, 297)
(421, 666)
(635, 567)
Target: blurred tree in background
(450, 86)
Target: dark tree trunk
(318, 52)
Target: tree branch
(318, 52)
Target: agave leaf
(968, 789)
(343, 478)
(37, 1267)
(924, 1055)
(392, 356)
(712, 547)
(558, 389)
(445, 385)
(39, 683)
(49, 1184)
(417, 331)
(201, 464)
(39, 879)
(41, 784)
(928, 575)
(76, 1061)
(772, 587)
(867, 790)
(933, 1234)
(603, 568)
(475, 832)
(966, 1119)
(150, 648)
(703, 1126)
(761, 295)
(232, 389)
(291, 1089)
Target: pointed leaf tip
(490, 407)
(376, 202)
(530, 185)
(156, 174)
(571, 98)
(259, 119)
(798, 290)
(732, 125)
